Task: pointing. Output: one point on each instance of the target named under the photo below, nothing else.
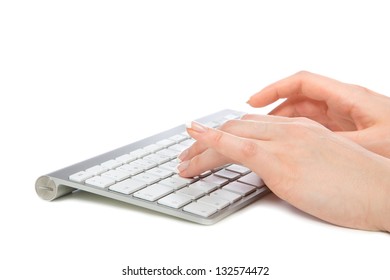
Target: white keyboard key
(192, 193)
(227, 174)
(178, 148)
(242, 170)
(111, 164)
(215, 179)
(212, 124)
(205, 174)
(252, 179)
(152, 148)
(175, 200)
(188, 180)
(174, 182)
(224, 194)
(159, 159)
(178, 138)
(139, 153)
(185, 133)
(232, 117)
(117, 175)
(126, 158)
(153, 192)
(146, 164)
(81, 176)
(200, 209)
(161, 173)
(168, 153)
(216, 169)
(165, 143)
(214, 201)
(170, 165)
(128, 186)
(147, 178)
(97, 169)
(240, 188)
(99, 181)
(206, 187)
(133, 169)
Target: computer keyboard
(144, 174)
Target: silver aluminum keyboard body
(143, 174)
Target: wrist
(382, 199)
(386, 213)
(385, 216)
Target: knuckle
(362, 89)
(303, 127)
(249, 148)
(228, 125)
(303, 74)
(195, 162)
(193, 168)
(216, 137)
(194, 149)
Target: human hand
(352, 111)
(302, 162)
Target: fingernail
(183, 166)
(196, 126)
(183, 155)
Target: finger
(202, 162)
(195, 149)
(200, 157)
(314, 110)
(243, 128)
(318, 111)
(198, 147)
(300, 106)
(263, 128)
(364, 138)
(251, 126)
(279, 125)
(303, 83)
(238, 149)
(267, 118)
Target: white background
(79, 78)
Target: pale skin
(325, 150)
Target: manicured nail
(183, 155)
(196, 126)
(183, 166)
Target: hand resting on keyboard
(323, 173)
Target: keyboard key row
(200, 209)
(153, 192)
(140, 159)
(128, 186)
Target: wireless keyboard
(144, 174)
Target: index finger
(310, 85)
(249, 152)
